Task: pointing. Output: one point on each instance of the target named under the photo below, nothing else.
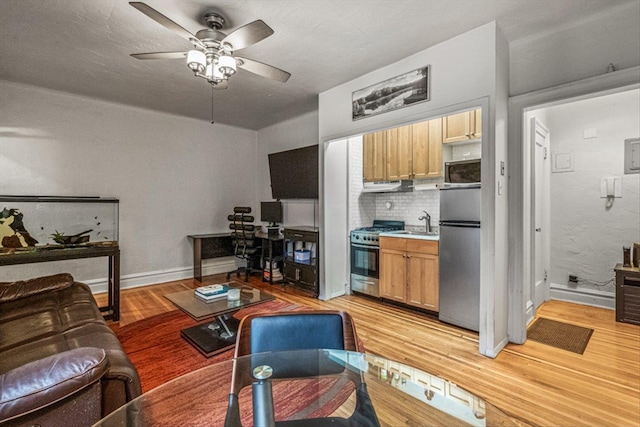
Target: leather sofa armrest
(24, 288)
(40, 383)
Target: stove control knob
(356, 237)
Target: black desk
(207, 246)
(112, 308)
(217, 245)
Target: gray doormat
(560, 335)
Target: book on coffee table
(211, 298)
(213, 289)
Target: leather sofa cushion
(46, 381)
(25, 288)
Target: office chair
(244, 241)
(261, 333)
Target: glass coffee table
(399, 395)
(220, 334)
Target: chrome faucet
(427, 219)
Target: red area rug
(160, 354)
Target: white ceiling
(83, 46)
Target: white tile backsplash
(408, 207)
(466, 151)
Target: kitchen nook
(415, 216)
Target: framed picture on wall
(398, 92)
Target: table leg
(116, 286)
(197, 259)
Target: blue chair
(261, 334)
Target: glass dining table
(309, 387)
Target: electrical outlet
(573, 278)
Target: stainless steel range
(365, 256)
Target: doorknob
(538, 230)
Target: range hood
(388, 186)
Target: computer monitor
(271, 212)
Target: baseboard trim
(137, 280)
(493, 352)
(584, 296)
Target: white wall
(466, 71)
(174, 176)
(581, 50)
(462, 69)
(586, 236)
(300, 131)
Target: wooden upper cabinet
(427, 149)
(407, 152)
(374, 157)
(399, 157)
(477, 124)
(462, 126)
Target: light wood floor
(533, 382)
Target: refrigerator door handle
(467, 224)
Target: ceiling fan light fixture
(217, 74)
(196, 61)
(227, 65)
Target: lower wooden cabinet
(409, 271)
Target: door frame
(520, 189)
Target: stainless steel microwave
(462, 171)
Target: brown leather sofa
(60, 364)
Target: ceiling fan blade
(263, 70)
(160, 55)
(166, 22)
(248, 35)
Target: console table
(207, 246)
(627, 294)
(112, 309)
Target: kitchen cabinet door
(392, 274)
(374, 157)
(427, 149)
(399, 157)
(477, 124)
(422, 280)
(462, 126)
(456, 127)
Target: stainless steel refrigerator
(460, 256)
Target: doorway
(525, 272)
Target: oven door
(365, 260)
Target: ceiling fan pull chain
(212, 88)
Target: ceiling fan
(212, 57)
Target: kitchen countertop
(408, 234)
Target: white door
(541, 196)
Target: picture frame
(398, 92)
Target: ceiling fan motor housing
(214, 21)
